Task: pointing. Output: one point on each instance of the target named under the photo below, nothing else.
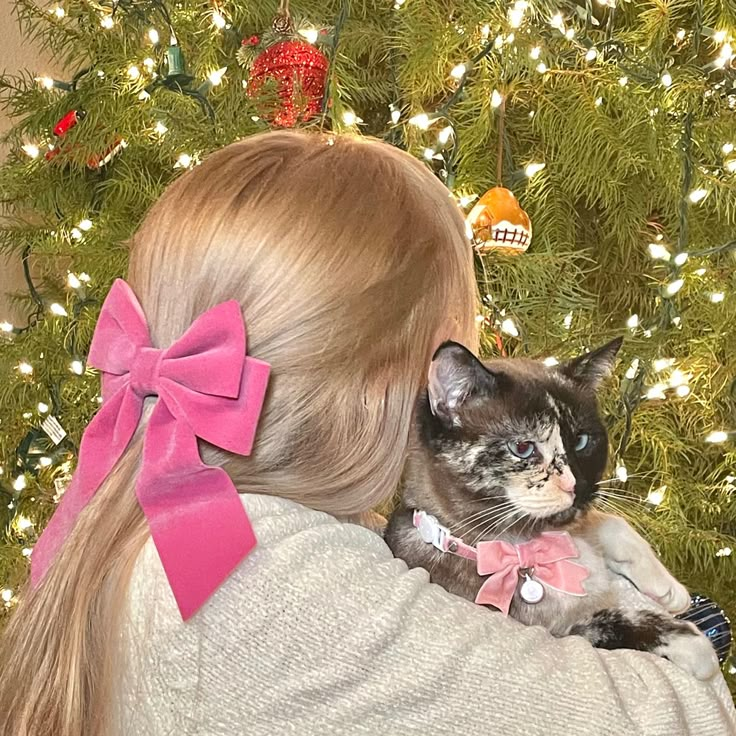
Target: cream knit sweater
(321, 632)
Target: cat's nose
(566, 481)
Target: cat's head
(521, 435)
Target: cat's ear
(455, 376)
(594, 367)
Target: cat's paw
(628, 555)
(689, 650)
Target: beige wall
(15, 54)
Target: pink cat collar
(206, 387)
(543, 561)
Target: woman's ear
(455, 376)
(594, 367)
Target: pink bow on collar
(206, 387)
(548, 556)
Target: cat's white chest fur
(557, 610)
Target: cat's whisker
(491, 521)
(482, 514)
(490, 527)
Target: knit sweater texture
(321, 632)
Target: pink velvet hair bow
(548, 558)
(206, 387)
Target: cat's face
(517, 434)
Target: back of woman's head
(351, 265)
(350, 262)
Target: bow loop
(207, 387)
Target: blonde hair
(351, 264)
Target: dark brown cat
(511, 450)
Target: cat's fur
(463, 472)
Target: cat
(514, 450)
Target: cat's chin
(557, 519)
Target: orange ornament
(499, 223)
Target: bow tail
(498, 590)
(195, 515)
(103, 444)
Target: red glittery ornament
(298, 71)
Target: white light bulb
(659, 252)
(592, 54)
(666, 79)
(662, 363)
(719, 36)
(726, 52)
(429, 153)
(58, 310)
(216, 76)
(395, 116)
(59, 12)
(516, 17)
(633, 369)
(700, 271)
(25, 368)
(680, 35)
(727, 148)
(134, 72)
(76, 233)
(218, 20)
(681, 259)
(144, 95)
(697, 195)
(24, 523)
(85, 224)
(76, 366)
(153, 36)
(717, 297)
(535, 52)
(26, 551)
(45, 82)
(724, 552)
(6, 327)
(496, 98)
(84, 277)
(623, 81)
(6, 594)
(682, 391)
(458, 71)
(621, 473)
(570, 34)
(445, 134)
(480, 319)
(30, 149)
(717, 437)
(656, 496)
(42, 408)
(160, 128)
(541, 67)
(20, 483)
(533, 169)
(731, 166)
(679, 378)
(349, 117)
(509, 327)
(551, 361)
(674, 286)
(568, 320)
(107, 22)
(657, 392)
(421, 121)
(309, 34)
(556, 21)
(73, 281)
(149, 63)
(45, 462)
(184, 161)
(598, 101)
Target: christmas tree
(613, 123)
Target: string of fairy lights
(570, 25)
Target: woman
(351, 265)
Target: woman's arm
(322, 632)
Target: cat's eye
(524, 450)
(581, 442)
